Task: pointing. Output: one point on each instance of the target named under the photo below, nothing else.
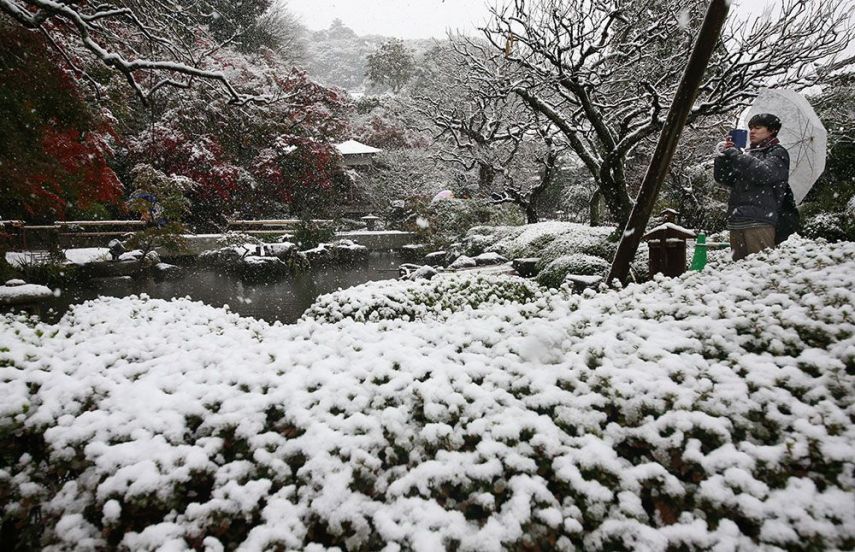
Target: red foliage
(54, 150)
(199, 158)
(298, 171)
(283, 145)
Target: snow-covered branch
(114, 34)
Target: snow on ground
(710, 412)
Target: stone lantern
(370, 222)
(667, 244)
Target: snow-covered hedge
(553, 274)
(830, 226)
(710, 412)
(550, 240)
(557, 245)
(437, 298)
(441, 222)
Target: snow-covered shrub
(579, 239)
(44, 269)
(420, 299)
(707, 412)
(479, 238)
(554, 243)
(829, 226)
(547, 240)
(234, 238)
(311, 234)
(553, 274)
(442, 222)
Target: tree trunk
(486, 176)
(617, 199)
(594, 208)
(531, 213)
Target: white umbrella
(444, 194)
(801, 133)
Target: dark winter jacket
(758, 182)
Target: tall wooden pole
(669, 137)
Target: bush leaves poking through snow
(436, 298)
(709, 412)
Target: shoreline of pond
(283, 300)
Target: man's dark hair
(767, 120)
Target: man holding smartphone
(758, 182)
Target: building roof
(352, 147)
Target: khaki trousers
(751, 240)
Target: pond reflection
(284, 300)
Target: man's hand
(729, 149)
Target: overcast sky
(415, 18)
(399, 18)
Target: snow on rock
(16, 293)
(490, 258)
(436, 258)
(463, 262)
(167, 271)
(712, 411)
(281, 249)
(554, 274)
(425, 272)
(86, 255)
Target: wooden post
(669, 137)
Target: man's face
(757, 134)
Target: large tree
(391, 65)
(484, 128)
(253, 159)
(605, 71)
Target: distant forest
(337, 56)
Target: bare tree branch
(108, 31)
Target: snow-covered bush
(547, 240)
(479, 238)
(829, 226)
(553, 242)
(707, 412)
(580, 239)
(554, 273)
(437, 298)
(442, 222)
(234, 238)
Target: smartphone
(739, 137)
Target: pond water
(284, 301)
